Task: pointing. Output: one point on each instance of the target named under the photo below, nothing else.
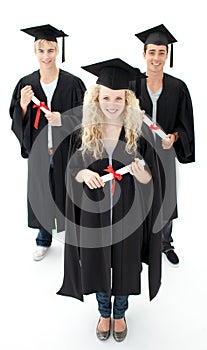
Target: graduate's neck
(111, 130)
(154, 80)
(110, 134)
(49, 75)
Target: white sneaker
(40, 253)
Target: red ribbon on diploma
(110, 169)
(154, 127)
(37, 118)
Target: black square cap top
(114, 73)
(158, 35)
(47, 32)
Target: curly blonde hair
(92, 122)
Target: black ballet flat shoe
(120, 336)
(103, 335)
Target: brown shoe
(103, 335)
(120, 336)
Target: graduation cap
(115, 74)
(158, 35)
(49, 33)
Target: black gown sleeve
(18, 123)
(151, 249)
(72, 286)
(185, 145)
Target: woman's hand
(137, 169)
(91, 178)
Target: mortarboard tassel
(63, 49)
(171, 55)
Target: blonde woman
(59, 91)
(109, 223)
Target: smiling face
(112, 103)
(155, 56)
(46, 52)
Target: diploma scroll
(37, 102)
(155, 128)
(55, 122)
(120, 171)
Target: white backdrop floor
(34, 317)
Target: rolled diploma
(159, 131)
(37, 102)
(55, 122)
(121, 171)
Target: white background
(32, 315)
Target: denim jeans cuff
(118, 317)
(105, 315)
(45, 245)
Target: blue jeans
(105, 305)
(44, 238)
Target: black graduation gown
(67, 95)
(92, 248)
(174, 113)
